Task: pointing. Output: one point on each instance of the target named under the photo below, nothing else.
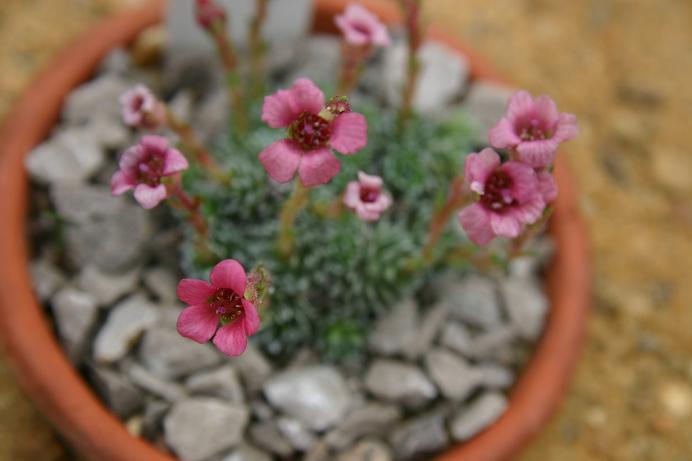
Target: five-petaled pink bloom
(140, 108)
(534, 128)
(509, 197)
(143, 167)
(220, 302)
(362, 28)
(366, 197)
(312, 131)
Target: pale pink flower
(362, 28)
(221, 302)
(366, 197)
(143, 167)
(312, 132)
(534, 128)
(208, 13)
(140, 108)
(509, 197)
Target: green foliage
(343, 272)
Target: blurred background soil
(625, 68)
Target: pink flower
(362, 28)
(209, 13)
(312, 131)
(140, 108)
(534, 128)
(143, 167)
(509, 197)
(221, 301)
(366, 197)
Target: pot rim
(59, 391)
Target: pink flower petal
(193, 291)
(520, 104)
(477, 168)
(131, 158)
(231, 339)
(546, 109)
(197, 322)
(317, 167)
(524, 180)
(538, 154)
(154, 143)
(567, 127)
(229, 273)
(281, 159)
(121, 182)
(174, 162)
(361, 27)
(349, 133)
(306, 96)
(476, 222)
(251, 319)
(503, 135)
(505, 225)
(283, 107)
(148, 197)
(352, 194)
(370, 181)
(547, 186)
(530, 211)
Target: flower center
(227, 304)
(368, 195)
(533, 131)
(138, 103)
(496, 192)
(361, 28)
(310, 131)
(150, 170)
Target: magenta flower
(143, 167)
(221, 301)
(362, 28)
(312, 131)
(534, 128)
(140, 108)
(209, 13)
(509, 197)
(366, 197)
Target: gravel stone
(75, 315)
(495, 376)
(168, 355)
(119, 393)
(420, 437)
(247, 452)
(429, 326)
(367, 450)
(199, 428)
(45, 278)
(222, 383)
(110, 133)
(72, 155)
(399, 382)
(107, 288)
(143, 378)
(152, 420)
(526, 304)
(98, 96)
(296, 433)
(485, 104)
(322, 60)
(442, 77)
(254, 368)
(162, 283)
(455, 378)
(81, 203)
(472, 419)
(473, 300)
(371, 419)
(393, 332)
(126, 322)
(317, 396)
(458, 338)
(267, 436)
(116, 62)
(494, 345)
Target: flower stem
(194, 147)
(257, 48)
(351, 67)
(517, 246)
(290, 211)
(413, 27)
(457, 198)
(196, 219)
(230, 64)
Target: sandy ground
(624, 67)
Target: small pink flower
(142, 168)
(221, 301)
(209, 13)
(509, 197)
(534, 128)
(366, 197)
(362, 28)
(312, 132)
(140, 108)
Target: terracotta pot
(62, 394)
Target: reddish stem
(257, 48)
(353, 57)
(230, 64)
(457, 198)
(412, 20)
